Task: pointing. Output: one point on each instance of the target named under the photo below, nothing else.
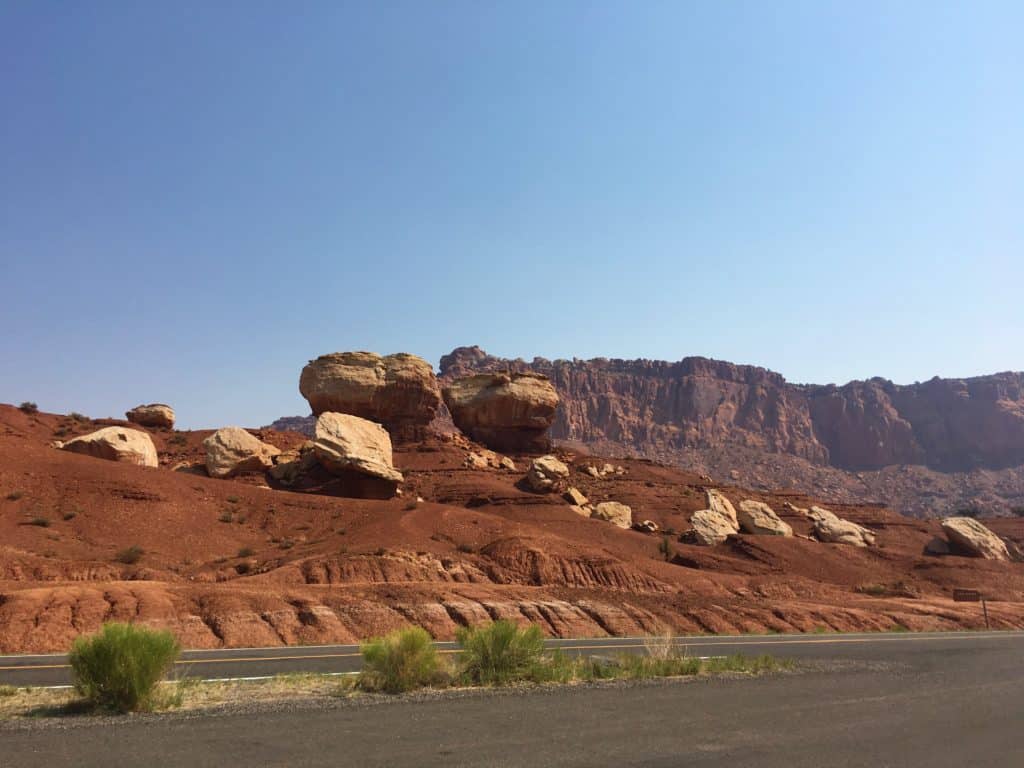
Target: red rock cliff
(653, 406)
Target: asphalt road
(934, 701)
(261, 662)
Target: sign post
(972, 596)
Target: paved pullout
(258, 662)
(905, 701)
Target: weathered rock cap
(344, 443)
(759, 519)
(152, 415)
(968, 536)
(232, 450)
(710, 527)
(130, 446)
(505, 411)
(399, 391)
(614, 512)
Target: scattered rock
(547, 474)
(613, 512)
(585, 510)
(717, 502)
(116, 444)
(831, 529)
(152, 415)
(347, 445)
(476, 461)
(734, 474)
(756, 517)
(289, 469)
(647, 526)
(573, 496)
(399, 391)
(507, 463)
(232, 450)
(967, 535)
(488, 460)
(711, 527)
(504, 411)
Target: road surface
(906, 701)
(260, 662)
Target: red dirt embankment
(234, 563)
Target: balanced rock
(614, 513)
(232, 450)
(152, 415)
(831, 529)
(130, 446)
(505, 411)
(399, 391)
(547, 474)
(968, 536)
(758, 518)
(717, 502)
(358, 451)
(711, 527)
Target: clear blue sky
(197, 197)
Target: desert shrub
(676, 664)
(42, 522)
(401, 661)
(15, 495)
(119, 667)
(177, 439)
(69, 515)
(1017, 511)
(76, 416)
(665, 549)
(465, 549)
(232, 499)
(226, 517)
(499, 653)
(28, 407)
(130, 555)
(286, 544)
(246, 552)
(7, 690)
(243, 568)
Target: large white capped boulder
(232, 450)
(968, 536)
(345, 444)
(130, 446)
(759, 519)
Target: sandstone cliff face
(656, 407)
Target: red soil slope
(234, 563)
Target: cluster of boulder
(549, 474)
(721, 519)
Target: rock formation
(968, 536)
(831, 529)
(759, 519)
(547, 474)
(613, 512)
(948, 424)
(399, 391)
(152, 415)
(710, 528)
(232, 450)
(116, 444)
(503, 411)
(358, 451)
(717, 502)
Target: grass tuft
(404, 660)
(119, 667)
(499, 653)
(42, 522)
(15, 495)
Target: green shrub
(246, 552)
(499, 653)
(119, 667)
(401, 661)
(130, 555)
(28, 407)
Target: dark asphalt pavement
(934, 701)
(260, 662)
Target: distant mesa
(504, 411)
(399, 391)
(152, 415)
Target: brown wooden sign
(966, 595)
